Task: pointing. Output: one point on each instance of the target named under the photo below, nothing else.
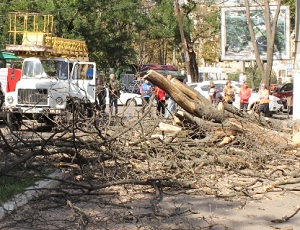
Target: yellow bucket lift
(31, 35)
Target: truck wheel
(14, 121)
(86, 110)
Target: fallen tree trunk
(190, 100)
(225, 123)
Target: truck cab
(48, 87)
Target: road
(136, 111)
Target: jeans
(243, 106)
(170, 108)
(264, 109)
(161, 108)
(145, 102)
(113, 102)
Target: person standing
(244, 94)
(211, 90)
(101, 94)
(172, 106)
(216, 97)
(146, 90)
(102, 99)
(160, 96)
(114, 93)
(229, 93)
(263, 107)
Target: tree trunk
(270, 23)
(193, 65)
(190, 100)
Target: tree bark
(271, 24)
(191, 100)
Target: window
(287, 87)
(220, 87)
(204, 87)
(193, 86)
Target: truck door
(83, 80)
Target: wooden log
(187, 98)
(197, 106)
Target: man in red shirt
(160, 96)
(245, 94)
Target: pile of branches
(221, 153)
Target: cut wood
(190, 99)
(168, 127)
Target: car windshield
(287, 87)
(35, 68)
(192, 85)
(218, 86)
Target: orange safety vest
(265, 96)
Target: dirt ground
(226, 195)
(141, 207)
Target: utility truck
(56, 78)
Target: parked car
(283, 93)
(132, 87)
(274, 87)
(126, 98)
(275, 104)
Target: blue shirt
(89, 73)
(146, 89)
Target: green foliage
(292, 5)
(11, 186)
(106, 26)
(208, 33)
(233, 76)
(162, 20)
(115, 31)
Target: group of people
(166, 110)
(215, 97)
(147, 90)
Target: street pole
(296, 91)
(183, 41)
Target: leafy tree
(292, 5)
(270, 24)
(116, 32)
(208, 33)
(106, 26)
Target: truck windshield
(36, 68)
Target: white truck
(49, 89)
(56, 76)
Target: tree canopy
(116, 32)
(123, 32)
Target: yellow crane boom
(31, 34)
